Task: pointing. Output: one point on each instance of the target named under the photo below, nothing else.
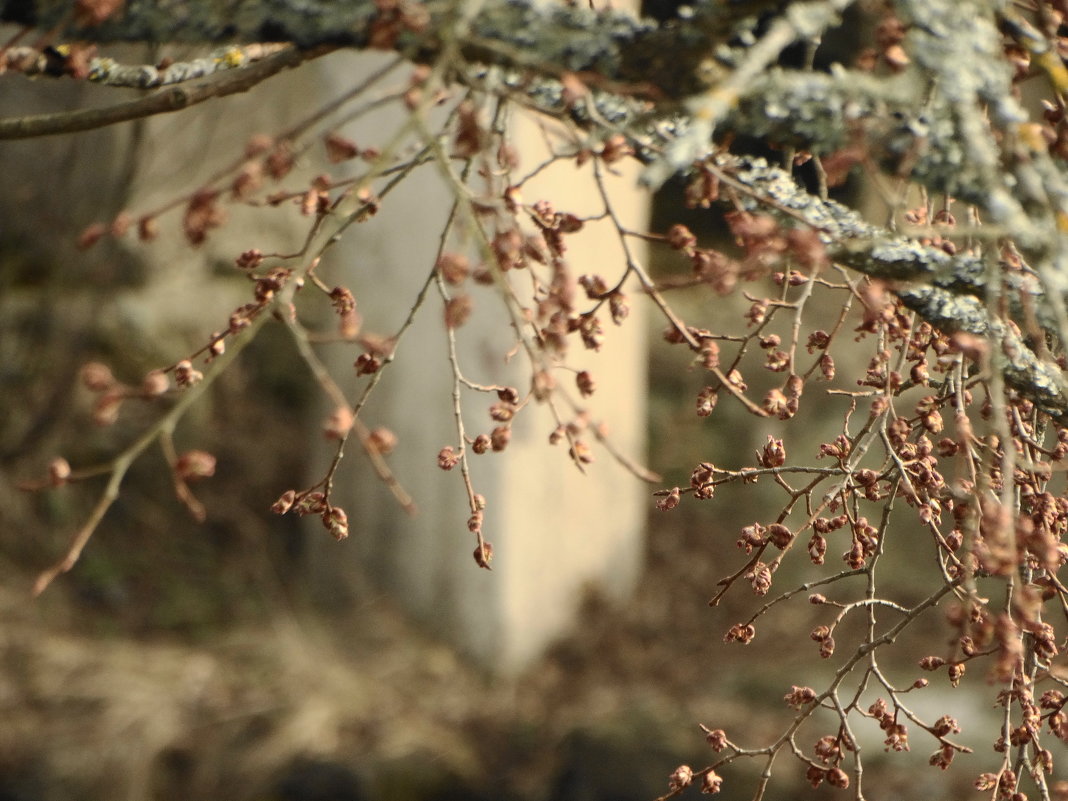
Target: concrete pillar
(554, 529)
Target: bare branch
(162, 102)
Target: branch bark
(164, 101)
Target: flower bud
(193, 465)
(285, 502)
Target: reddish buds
(711, 783)
(448, 458)
(284, 503)
(484, 555)
(337, 425)
(681, 778)
(193, 465)
(185, 375)
(58, 471)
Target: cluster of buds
(334, 518)
(865, 544)
(1003, 783)
(702, 481)
(202, 214)
(823, 636)
(740, 632)
(800, 697)
(110, 393)
(897, 735)
(835, 777)
(681, 778)
(752, 536)
(670, 500)
(759, 578)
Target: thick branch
(107, 72)
(614, 45)
(947, 291)
(167, 100)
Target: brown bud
(680, 237)
(97, 377)
(367, 363)
(836, 777)
(454, 268)
(336, 522)
(484, 555)
(194, 464)
(815, 776)
(106, 408)
(217, 346)
(339, 149)
(956, 672)
(580, 452)
(616, 147)
(58, 471)
(706, 401)
(799, 697)
(681, 777)
(716, 738)
(382, 440)
(185, 375)
(774, 454)
(500, 437)
(779, 535)
(458, 310)
(508, 395)
(618, 307)
(284, 503)
(155, 384)
(586, 384)
(312, 503)
(669, 501)
(447, 458)
(711, 783)
(337, 425)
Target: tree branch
(32, 62)
(162, 102)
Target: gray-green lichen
(817, 111)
